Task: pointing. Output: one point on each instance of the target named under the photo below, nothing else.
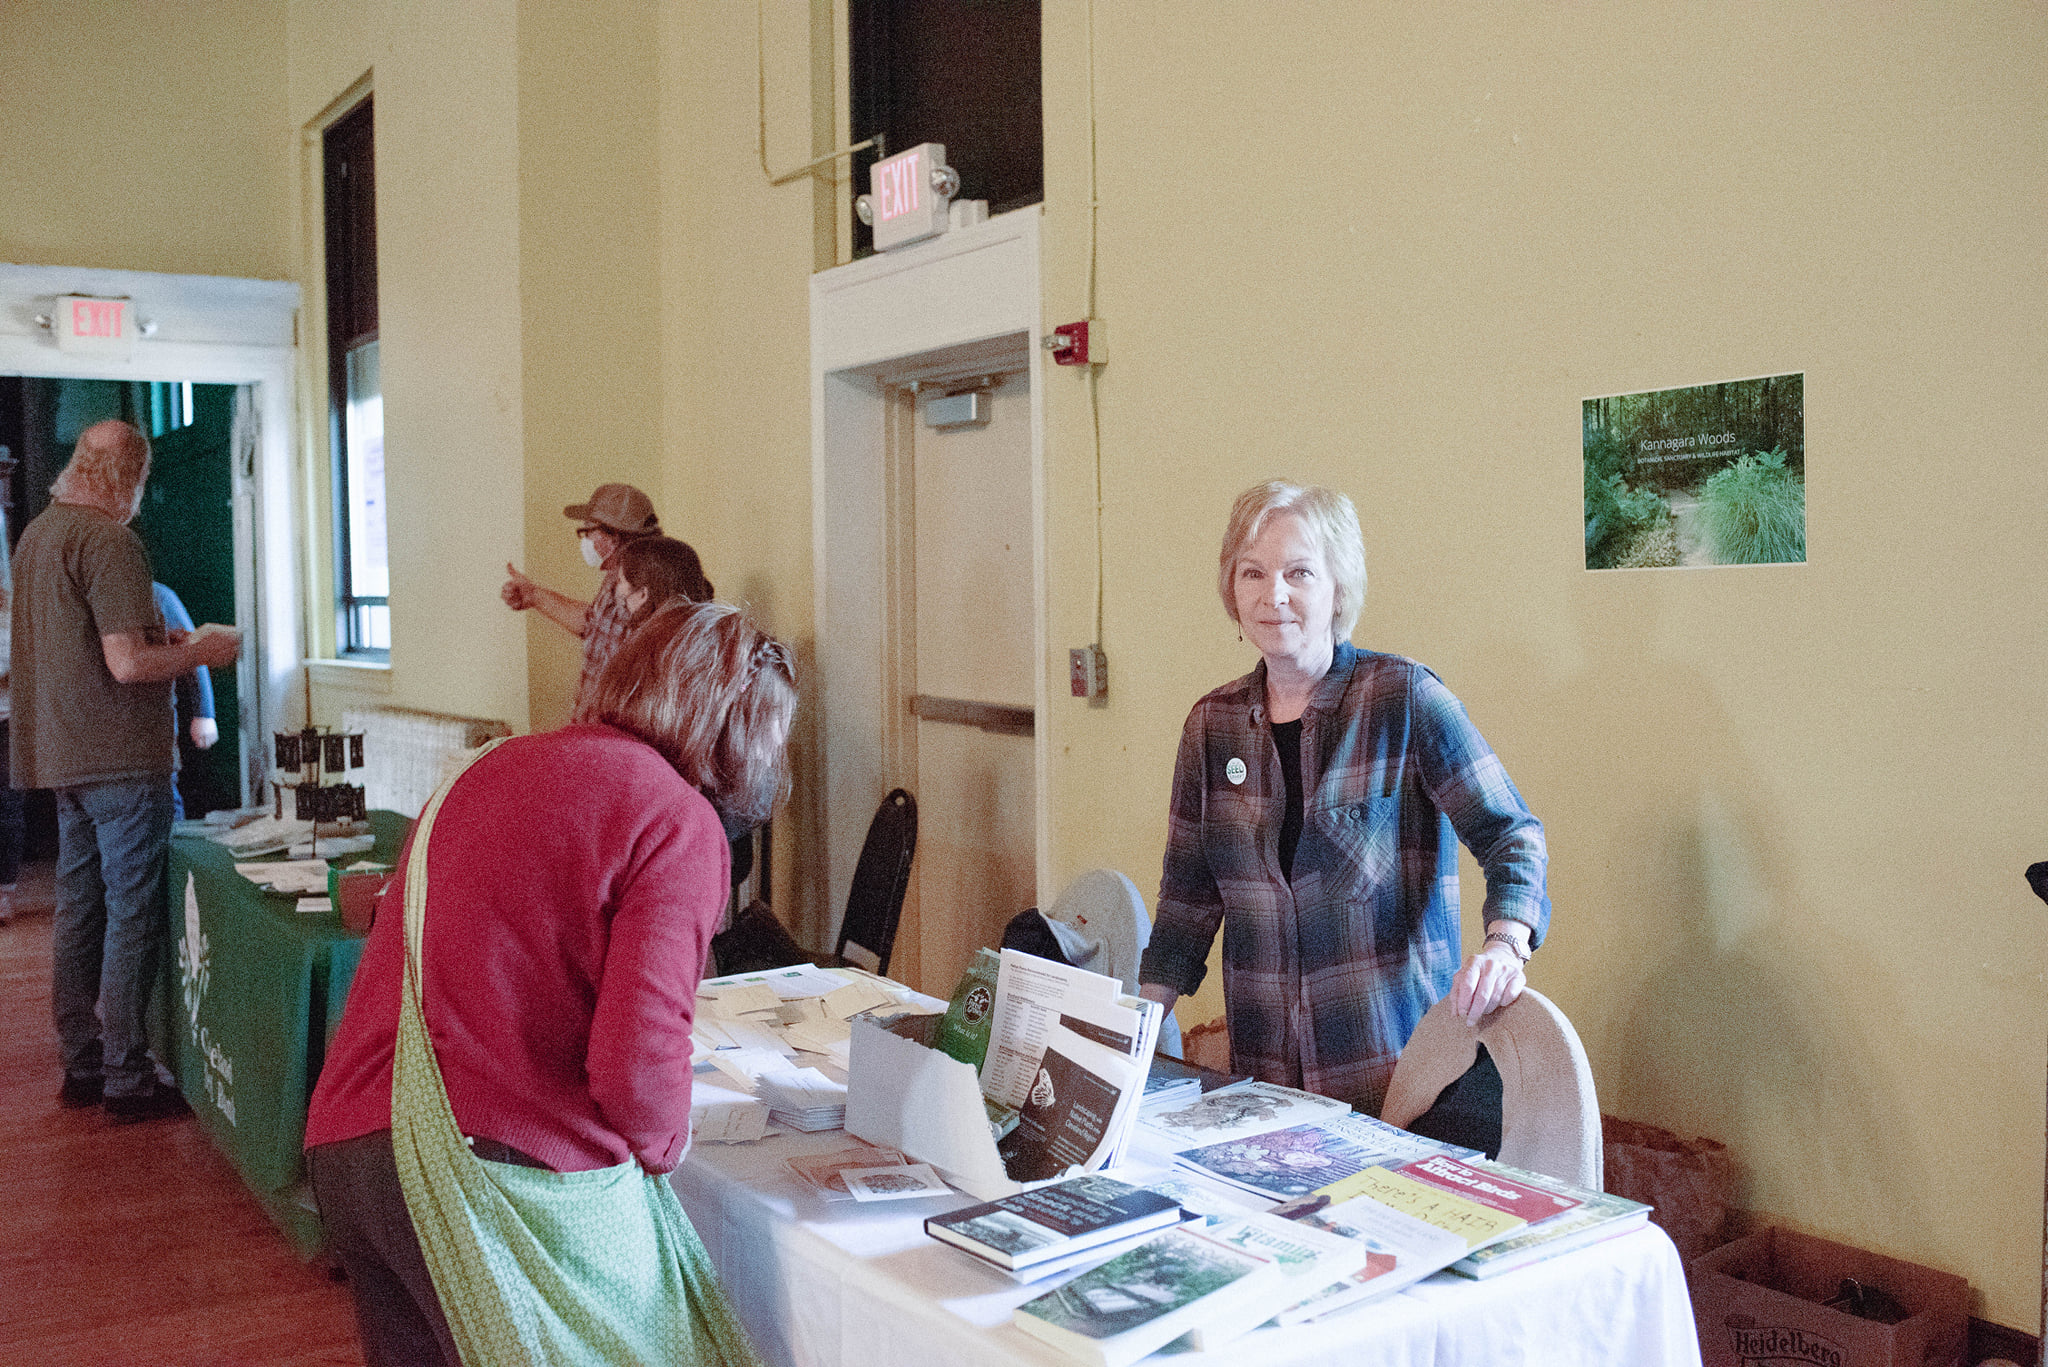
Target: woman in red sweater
(577, 878)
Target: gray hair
(107, 469)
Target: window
(362, 574)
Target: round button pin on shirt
(1234, 771)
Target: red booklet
(1486, 1184)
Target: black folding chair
(867, 933)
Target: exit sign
(85, 323)
(907, 205)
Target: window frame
(349, 222)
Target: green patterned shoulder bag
(537, 1268)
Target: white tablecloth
(842, 1284)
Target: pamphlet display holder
(903, 1094)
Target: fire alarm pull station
(1076, 343)
(1088, 671)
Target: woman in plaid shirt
(1317, 802)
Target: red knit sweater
(575, 881)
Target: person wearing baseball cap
(616, 514)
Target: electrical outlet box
(1087, 672)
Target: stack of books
(1308, 1256)
(1049, 1229)
(1148, 1296)
(1208, 1255)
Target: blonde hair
(1330, 519)
(107, 469)
(714, 694)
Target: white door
(968, 551)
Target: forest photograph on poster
(1712, 474)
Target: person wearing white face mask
(1317, 807)
(615, 515)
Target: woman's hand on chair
(1494, 976)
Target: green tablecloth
(254, 991)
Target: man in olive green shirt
(92, 721)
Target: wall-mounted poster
(1713, 474)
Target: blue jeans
(113, 848)
(11, 828)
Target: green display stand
(253, 991)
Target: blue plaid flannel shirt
(1325, 978)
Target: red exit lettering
(96, 317)
(899, 187)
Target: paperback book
(1400, 1250)
(1478, 1225)
(1034, 995)
(1599, 1216)
(1070, 1051)
(1077, 1112)
(1146, 1297)
(1170, 1080)
(1234, 1113)
(1309, 1258)
(1045, 1223)
(1491, 1185)
(1284, 1164)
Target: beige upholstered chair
(1550, 1119)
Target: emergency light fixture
(908, 196)
(98, 326)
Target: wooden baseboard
(1988, 1340)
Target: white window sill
(357, 676)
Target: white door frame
(870, 322)
(207, 330)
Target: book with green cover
(1144, 1298)
(1015, 1232)
(963, 1030)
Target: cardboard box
(1757, 1302)
(904, 1094)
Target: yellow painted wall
(1389, 247)
(450, 321)
(113, 155)
(590, 280)
(736, 257)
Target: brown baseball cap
(619, 507)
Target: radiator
(407, 753)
